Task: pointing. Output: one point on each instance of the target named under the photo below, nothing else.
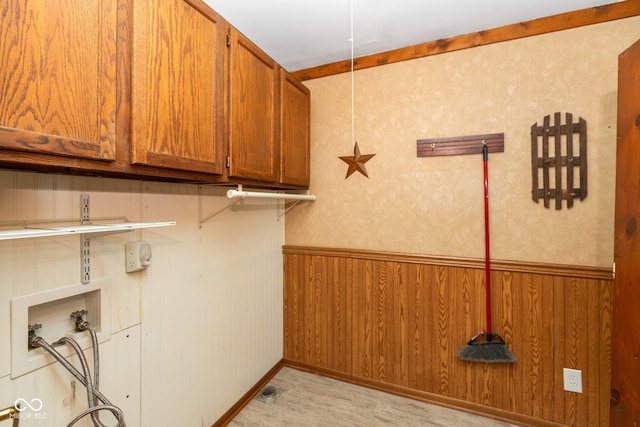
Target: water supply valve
(32, 333)
(81, 317)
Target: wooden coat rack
(561, 156)
(457, 145)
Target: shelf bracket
(287, 209)
(201, 219)
(85, 246)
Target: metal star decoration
(356, 162)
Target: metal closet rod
(240, 193)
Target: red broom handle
(487, 256)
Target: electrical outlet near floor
(572, 380)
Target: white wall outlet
(137, 256)
(572, 380)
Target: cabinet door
(254, 149)
(294, 128)
(177, 94)
(58, 77)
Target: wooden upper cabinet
(58, 77)
(177, 86)
(295, 118)
(118, 85)
(254, 148)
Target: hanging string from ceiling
(356, 161)
(353, 84)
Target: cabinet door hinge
(228, 162)
(229, 40)
(614, 270)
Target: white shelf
(32, 231)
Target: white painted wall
(190, 335)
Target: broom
(486, 347)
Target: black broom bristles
(486, 348)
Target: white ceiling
(301, 34)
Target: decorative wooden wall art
(356, 162)
(563, 155)
(460, 145)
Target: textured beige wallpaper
(434, 205)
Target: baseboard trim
(448, 402)
(248, 396)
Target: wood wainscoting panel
(398, 321)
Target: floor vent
(268, 394)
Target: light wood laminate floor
(310, 400)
